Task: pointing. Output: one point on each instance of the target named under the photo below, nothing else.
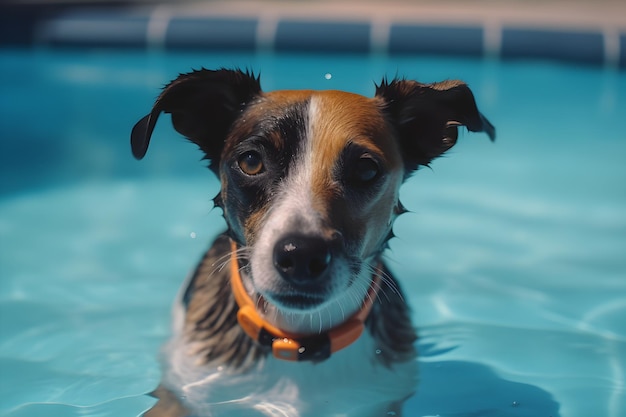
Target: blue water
(513, 256)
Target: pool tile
(562, 44)
(211, 33)
(436, 39)
(94, 29)
(307, 36)
(17, 23)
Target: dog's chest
(351, 383)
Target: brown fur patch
(339, 119)
(254, 223)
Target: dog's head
(310, 179)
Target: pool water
(513, 256)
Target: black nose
(301, 259)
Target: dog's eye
(251, 163)
(366, 169)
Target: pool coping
(574, 32)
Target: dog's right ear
(203, 104)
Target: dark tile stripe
(307, 36)
(566, 45)
(95, 29)
(441, 40)
(211, 33)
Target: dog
(292, 311)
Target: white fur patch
(352, 383)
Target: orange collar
(290, 346)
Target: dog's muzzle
(295, 347)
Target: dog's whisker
(343, 313)
(319, 313)
(366, 289)
(224, 259)
(260, 304)
(221, 262)
(387, 283)
(275, 311)
(383, 292)
(357, 293)
(386, 278)
(368, 296)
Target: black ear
(203, 105)
(426, 117)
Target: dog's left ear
(203, 104)
(426, 117)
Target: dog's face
(310, 187)
(310, 179)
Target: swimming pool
(513, 255)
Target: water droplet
(192, 235)
(391, 413)
(378, 351)
(328, 75)
(514, 404)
